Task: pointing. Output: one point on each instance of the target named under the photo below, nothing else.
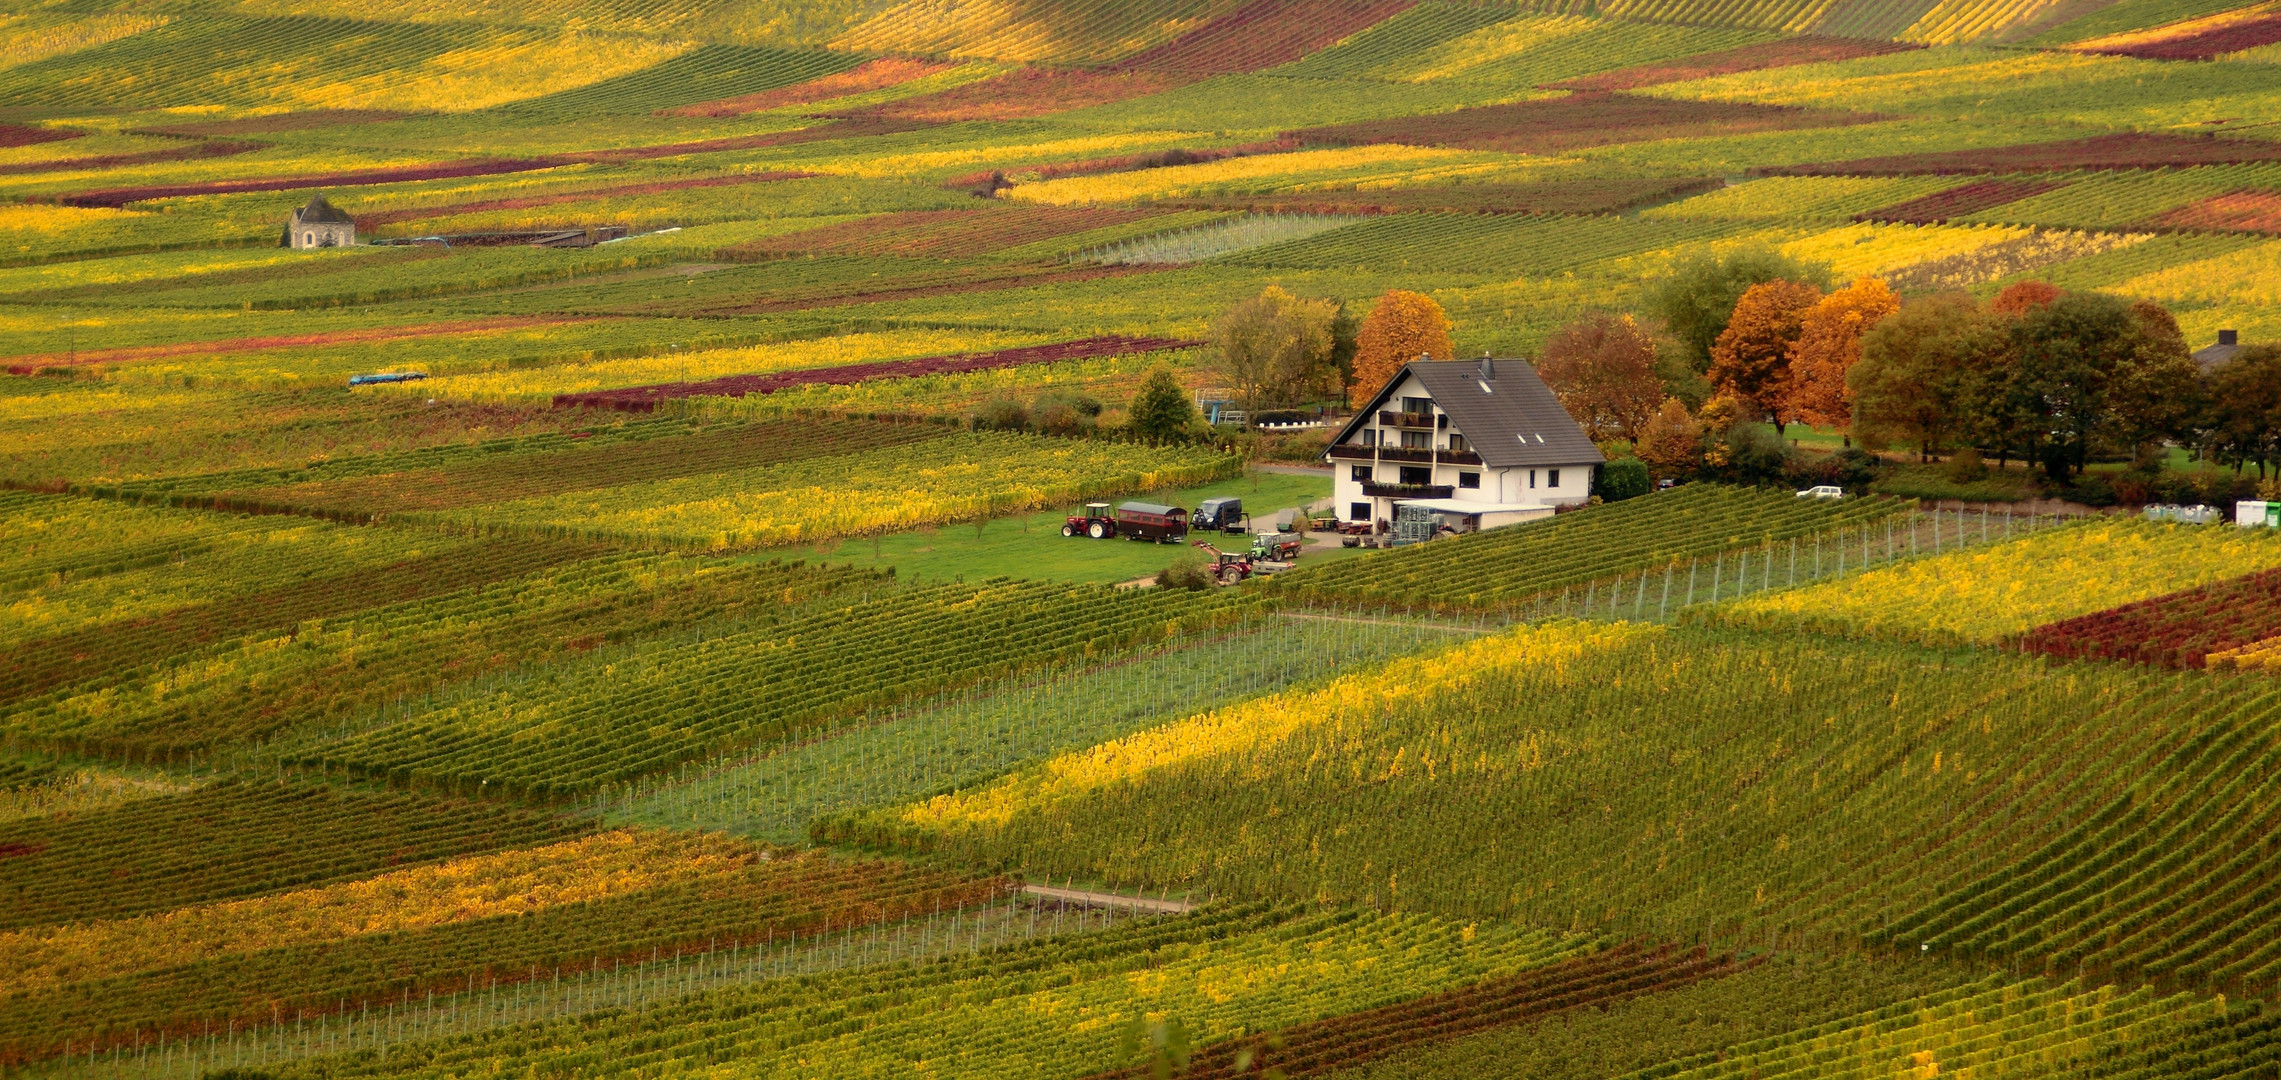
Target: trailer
(1153, 522)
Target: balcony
(1409, 420)
(1343, 452)
(1372, 490)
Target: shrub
(1965, 466)
(1187, 571)
(1002, 414)
(1623, 478)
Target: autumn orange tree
(1829, 345)
(1602, 368)
(2022, 297)
(1751, 359)
(1671, 442)
(1403, 327)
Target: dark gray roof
(317, 211)
(1511, 418)
(1159, 509)
(2211, 356)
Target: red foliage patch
(118, 197)
(2239, 211)
(1958, 201)
(645, 398)
(188, 152)
(1808, 49)
(1162, 159)
(1544, 197)
(18, 851)
(943, 233)
(28, 135)
(1030, 92)
(2179, 630)
(1329, 1046)
(270, 125)
(870, 75)
(2128, 150)
(28, 364)
(390, 217)
(1264, 34)
(848, 128)
(2217, 41)
(1557, 125)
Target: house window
(1369, 436)
(1417, 474)
(308, 239)
(1418, 406)
(1358, 511)
(1552, 478)
(1469, 479)
(1358, 472)
(1456, 442)
(1417, 440)
(1532, 479)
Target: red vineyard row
(1325, 1047)
(2128, 150)
(1807, 49)
(2236, 211)
(645, 398)
(1557, 125)
(2179, 630)
(942, 233)
(1958, 201)
(1265, 34)
(870, 75)
(29, 135)
(2207, 44)
(389, 217)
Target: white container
(2251, 512)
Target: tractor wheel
(1097, 530)
(1069, 530)
(1230, 576)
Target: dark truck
(1222, 514)
(1152, 522)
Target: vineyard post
(1793, 562)
(1691, 568)
(1665, 603)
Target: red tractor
(1096, 521)
(1228, 567)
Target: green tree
(2244, 415)
(2158, 394)
(2055, 396)
(1276, 349)
(1161, 411)
(1699, 297)
(1918, 380)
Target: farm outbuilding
(319, 224)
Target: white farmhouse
(1484, 440)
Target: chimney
(1488, 368)
(2229, 337)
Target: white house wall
(1497, 486)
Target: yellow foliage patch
(507, 883)
(1250, 729)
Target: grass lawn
(1032, 546)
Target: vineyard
(613, 619)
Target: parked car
(1823, 491)
(1153, 522)
(1224, 513)
(1094, 521)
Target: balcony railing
(1408, 454)
(1388, 418)
(1407, 491)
